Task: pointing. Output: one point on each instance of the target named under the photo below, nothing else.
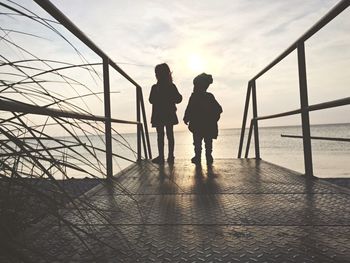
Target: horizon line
(262, 127)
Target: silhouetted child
(163, 97)
(202, 114)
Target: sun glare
(196, 63)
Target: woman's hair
(163, 73)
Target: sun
(195, 63)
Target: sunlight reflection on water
(331, 159)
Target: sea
(331, 159)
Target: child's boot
(210, 159)
(197, 158)
(160, 158)
(208, 151)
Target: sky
(230, 39)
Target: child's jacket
(163, 99)
(203, 113)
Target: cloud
(235, 38)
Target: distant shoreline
(262, 127)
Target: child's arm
(176, 95)
(216, 108)
(188, 111)
(152, 95)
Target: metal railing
(141, 120)
(305, 108)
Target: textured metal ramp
(236, 211)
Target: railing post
(249, 138)
(107, 108)
(145, 124)
(244, 121)
(144, 142)
(138, 118)
(304, 104)
(255, 121)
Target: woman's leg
(160, 141)
(171, 140)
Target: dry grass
(32, 156)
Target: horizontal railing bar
(24, 153)
(320, 106)
(318, 138)
(68, 24)
(33, 138)
(58, 148)
(12, 106)
(330, 104)
(336, 10)
(283, 114)
(113, 154)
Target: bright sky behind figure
(232, 40)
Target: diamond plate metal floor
(235, 211)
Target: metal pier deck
(237, 211)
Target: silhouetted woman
(163, 97)
(202, 115)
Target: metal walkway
(237, 211)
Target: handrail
(22, 107)
(319, 106)
(305, 108)
(277, 115)
(337, 9)
(330, 104)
